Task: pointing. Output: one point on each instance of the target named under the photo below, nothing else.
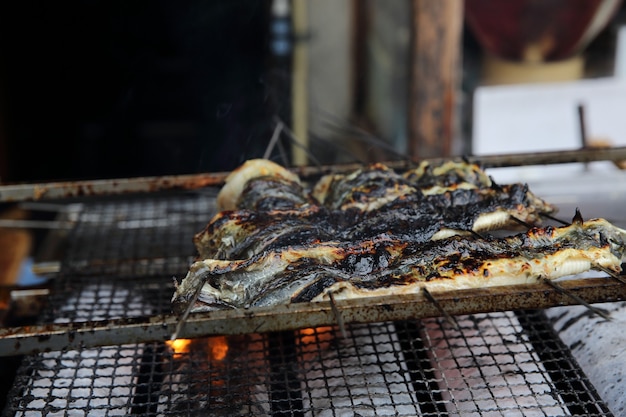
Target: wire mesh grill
(145, 237)
(120, 261)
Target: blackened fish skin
(379, 264)
(447, 174)
(367, 187)
(269, 193)
(366, 202)
(369, 202)
(243, 233)
(372, 230)
(236, 181)
(418, 217)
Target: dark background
(96, 89)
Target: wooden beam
(300, 83)
(360, 27)
(435, 70)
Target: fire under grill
(399, 361)
(395, 369)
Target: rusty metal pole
(434, 73)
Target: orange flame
(315, 334)
(218, 347)
(179, 346)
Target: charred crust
(314, 289)
(578, 218)
(382, 248)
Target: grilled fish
(365, 189)
(371, 232)
(268, 193)
(383, 266)
(433, 178)
(274, 209)
(426, 217)
(241, 234)
(236, 181)
(377, 189)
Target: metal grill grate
(119, 263)
(145, 237)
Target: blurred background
(102, 89)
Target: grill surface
(120, 262)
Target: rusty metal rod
(75, 335)
(57, 190)
(35, 224)
(492, 161)
(91, 188)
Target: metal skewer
(274, 139)
(338, 316)
(548, 216)
(577, 218)
(297, 143)
(576, 298)
(582, 128)
(612, 274)
(443, 312)
(183, 318)
(476, 234)
(521, 222)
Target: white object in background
(544, 117)
(620, 54)
(599, 346)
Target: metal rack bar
(91, 188)
(49, 337)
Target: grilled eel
(267, 193)
(365, 189)
(360, 205)
(229, 196)
(453, 212)
(368, 185)
(374, 188)
(384, 266)
(432, 178)
(263, 185)
(241, 234)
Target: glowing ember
(218, 347)
(313, 334)
(179, 346)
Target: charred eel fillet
(272, 193)
(369, 202)
(377, 188)
(384, 266)
(365, 189)
(432, 178)
(437, 216)
(235, 183)
(241, 234)
(373, 204)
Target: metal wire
(119, 263)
